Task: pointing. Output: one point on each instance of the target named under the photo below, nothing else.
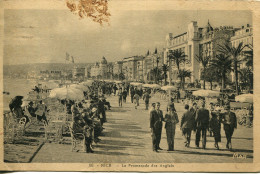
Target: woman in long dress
(171, 119)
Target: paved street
(127, 139)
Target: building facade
(129, 68)
(100, 69)
(197, 41)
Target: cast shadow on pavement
(120, 143)
(204, 153)
(242, 138)
(112, 153)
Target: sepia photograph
(142, 88)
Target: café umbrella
(147, 85)
(87, 83)
(168, 88)
(79, 86)
(136, 84)
(67, 93)
(245, 98)
(155, 86)
(206, 93)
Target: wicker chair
(77, 139)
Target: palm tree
(178, 57)
(234, 53)
(164, 71)
(223, 65)
(210, 74)
(204, 60)
(155, 72)
(246, 77)
(249, 56)
(183, 74)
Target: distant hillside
(25, 68)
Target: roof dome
(208, 28)
(103, 61)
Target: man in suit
(187, 124)
(194, 109)
(230, 123)
(202, 125)
(146, 98)
(156, 118)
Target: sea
(19, 87)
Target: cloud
(126, 46)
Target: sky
(44, 36)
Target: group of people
(34, 109)
(200, 120)
(88, 117)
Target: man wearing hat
(230, 123)
(202, 125)
(156, 118)
(79, 126)
(187, 124)
(215, 125)
(146, 98)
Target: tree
(183, 74)
(210, 74)
(148, 53)
(121, 76)
(164, 72)
(222, 63)
(249, 56)
(155, 51)
(178, 57)
(246, 77)
(234, 53)
(96, 10)
(204, 60)
(155, 74)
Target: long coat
(230, 118)
(202, 118)
(156, 118)
(171, 119)
(188, 120)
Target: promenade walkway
(127, 139)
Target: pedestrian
(120, 97)
(136, 100)
(215, 126)
(172, 104)
(153, 107)
(156, 118)
(146, 98)
(124, 95)
(230, 123)
(101, 110)
(211, 109)
(78, 126)
(171, 119)
(41, 112)
(202, 125)
(194, 109)
(178, 95)
(115, 89)
(132, 93)
(187, 124)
